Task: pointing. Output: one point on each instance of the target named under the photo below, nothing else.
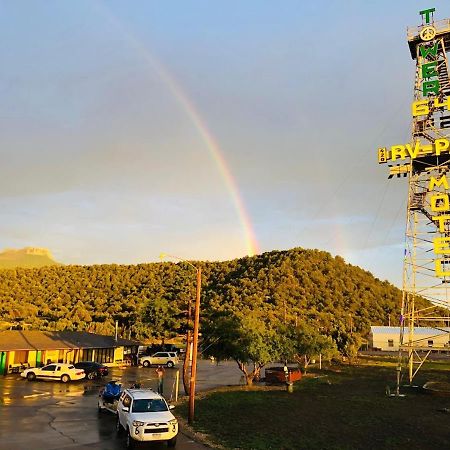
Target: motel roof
(57, 340)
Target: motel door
(38, 358)
(2, 363)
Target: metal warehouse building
(388, 338)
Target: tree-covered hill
(292, 286)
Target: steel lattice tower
(425, 273)
(426, 162)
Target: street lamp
(195, 340)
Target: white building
(388, 338)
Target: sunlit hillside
(303, 285)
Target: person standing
(286, 373)
(160, 373)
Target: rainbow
(215, 152)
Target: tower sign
(425, 160)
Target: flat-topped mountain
(28, 257)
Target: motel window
(430, 343)
(21, 356)
(104, 355)
(86, 355)
(390, 342)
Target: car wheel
(170, 364)
(65, 378)
(91, 375)
(130, 441)
(31, 376)
(119, 427)
(146, 363)
(172, 442)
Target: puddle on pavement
(79, 390)
(6, 401)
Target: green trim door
(2, 363)
(38, 358)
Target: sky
(205, 130)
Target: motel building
(388, 338)
(20, 349)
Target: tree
(307, 343)
(158, 316)
(347, 343)
(79, 316)
(243, 336)
(352, 345)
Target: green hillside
(298, 285)
(28, 257)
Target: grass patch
(340, 408)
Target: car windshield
(149, 405)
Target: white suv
(145, 416)
(168, 359)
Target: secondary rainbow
(215, 152)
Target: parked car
(147, 350)
(56, 372)
(92, 369)
(145, 416)
(168, 359)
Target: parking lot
(52, 415)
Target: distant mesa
(28, 257)
(27, 251)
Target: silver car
(168, 359)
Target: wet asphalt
(49, 415)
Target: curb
(195, 436)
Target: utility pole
(194, 349)
(193, 378)
(187, 354)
